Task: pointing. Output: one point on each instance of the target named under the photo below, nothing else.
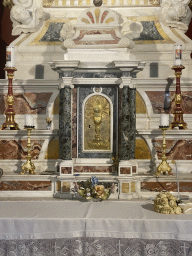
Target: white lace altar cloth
(91, 228)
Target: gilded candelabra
(10, 113)
(178, 112)
(164, 167)
(28, 166)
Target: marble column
(65, 129)
(125, 124)
(132, 120)
(128, 120)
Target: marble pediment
(98, 27)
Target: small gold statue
(166, 203)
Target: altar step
(127, 187)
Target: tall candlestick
(164, 167)
(10, 56)
(10, 113)
(178, 112)
(177, 55)
(164, 120)
(28, 166)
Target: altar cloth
(70, 219)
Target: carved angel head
(20, 14)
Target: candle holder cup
(164, 167)
(28, 166)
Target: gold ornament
(164, 167)
(28, 166)
(166, 203)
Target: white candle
(29, 120)
(177, 55)
(164, 120)
(10, 56)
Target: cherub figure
(26, 21)
(176, 13)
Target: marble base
(66, 167)
(26, 186)
(137, 186)
(127, 168)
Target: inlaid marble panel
(125, 170)
(88, 169)
(176, 149)
(66, 187)
(53, 32)
(114, 39)
(134, 169)
(125, 187)
(25, 185)
(169, 186)
(12, 149)
(27, 103)
(149, 32)
(66, 170)
(166, 100)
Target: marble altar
(120, 53)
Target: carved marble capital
(66, 82)
(126, 81)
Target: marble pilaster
(125, 124)
(65, 136)
(65, 69)
(132, 120)
(128, 115)
(128, 107)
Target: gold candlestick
(164, 167)
(10, 113)
(28, 166)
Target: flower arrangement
(92, 189)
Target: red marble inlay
(134, 169)
(168, 186)
(90, 15)
(106, 169)
(93, 32)
(66, 170)
(176, 149)
(25, 185)
(125, 170)
(12, 149)
(157, 99)
(27, 103)
(104, 15)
